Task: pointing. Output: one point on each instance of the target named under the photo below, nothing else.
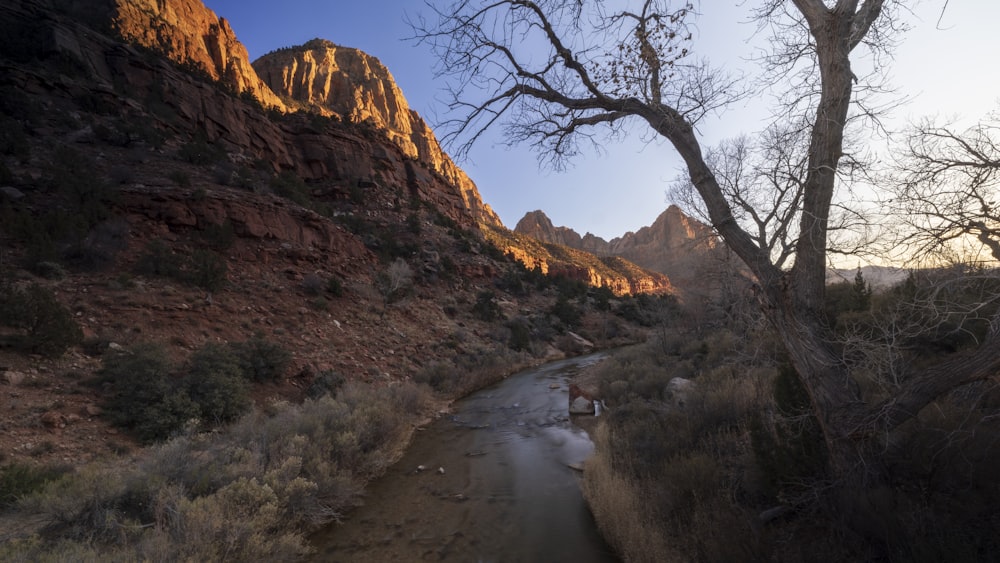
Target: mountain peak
(357, 87)
(189, 33)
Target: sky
(946, 64)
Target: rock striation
(358, 88)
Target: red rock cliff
(358, 87)
(188, 32)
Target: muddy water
(507, 492)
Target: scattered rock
(92, 410)
(11, 192)
(580, 401)
(581, 405)
(53, 420)
(679, 391)
(581, 341)
(421, 468)
(554, 386)
(440, 471)
(14, 377)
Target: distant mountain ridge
(674, 244)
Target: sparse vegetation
(43, 325)
(249, 492)
(262, 360)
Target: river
(490, 482)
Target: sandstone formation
(617, 274)
(674, 244)
(359, 88)
(189, 33)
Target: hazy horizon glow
(944, 67)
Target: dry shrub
(620, 510)
(249, 492)
(665, 474)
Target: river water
(505, 490)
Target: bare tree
(948, 191)
(558, 73)
(394, 282)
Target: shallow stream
(493, 481)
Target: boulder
(54, 420)
(580, 401)
(13, 377)
(678, 391)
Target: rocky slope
(675, 244)
(357, 87)
(112, 155)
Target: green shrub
(207, 270)
(486, 307)
(143, 395)
(215, 382)
(47, 327)
(88, 198)
(520, 334)
(158, 260)
(13, 141)
(788, 447)
(18, 480)
(180, 177)
(566, 312)
(326, 383)
(219, 237)
(262, 360)
(201, 152)
(335, 286)
(312, 284)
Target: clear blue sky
(949, 68)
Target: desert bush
(87, 197)
(621, 511)
(335, 286)
(18, 480)
(567, 313)
(439, 376)
(486, 307)
(215, 382)
(520, 333)
(100, 247)
(13, 140)
(207, 270)
(44, 325)
(394, 283)
(312, 284)
(326, 383)
(251, 491)
(219, 237)
(201, 152)
(158, 260)
(261, 360)
(180, 177)
(143, 394)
